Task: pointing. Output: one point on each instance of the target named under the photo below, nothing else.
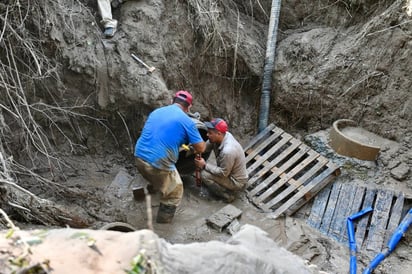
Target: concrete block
(222, 218)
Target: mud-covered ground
(189, 225)
(106, 185)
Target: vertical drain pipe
(269, 65)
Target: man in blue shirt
(157, 151)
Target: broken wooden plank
(222, 218)
(395, 218)
(361, 227)
(319, 207)
(379, 220)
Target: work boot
(109, 32)
(165, 213)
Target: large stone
(221, 219)
(121, 184)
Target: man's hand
(188, 148)
(200, 163)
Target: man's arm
(199, 147)
(226, 165)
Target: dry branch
(27, 125)
(36, 210)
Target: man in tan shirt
(229, 175)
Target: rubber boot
(165, 213)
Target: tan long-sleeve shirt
(230, 159)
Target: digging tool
(197, 172)
(149, 69)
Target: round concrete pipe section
(185, 164)
(118, 226)
(353, 145)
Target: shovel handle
(150, 69)
(197, 173)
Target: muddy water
(365, 137)
(189, 223)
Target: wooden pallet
(284, 173)
(335, 203)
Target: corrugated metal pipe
(269, 65)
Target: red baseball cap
(218, 123)
(184, 95)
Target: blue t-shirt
(166, 129)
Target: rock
(233, 227)
(223, 217)
(400, 172)
(120, 185)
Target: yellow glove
(185, 147)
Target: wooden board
(362, 224)
(333, 206)
(319, 207)
(340, 214)
(395, 216)
(330, 209)
(379, 221)
(354, 207)
(284, 172)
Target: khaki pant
(221, 186)
(105, 10)
(168, 182)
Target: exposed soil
(335, 59)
